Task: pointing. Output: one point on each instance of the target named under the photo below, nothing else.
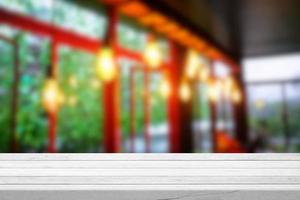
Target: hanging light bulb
(153, 54)
(236, 95)
(165, 89)
(185, 92)
(192, 64)
(52, 97)
(105, 64)
(214, 90)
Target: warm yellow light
(192, 64)
(153, 54)
(52, 97)
(106, 66)
(228, 85)
(185, 92)
(73, 81)
(214, 91)
(236, 95)
(204, 73)
(165, 89)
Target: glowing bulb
(204, 73)
(153, 55)
(192, 64)
(165, 89)
(52, 97)
(214, 91)
(236, 96)
(185, 92)
(106, 67)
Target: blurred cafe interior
(149, 76)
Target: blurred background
(159, 76)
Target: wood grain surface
(149, 176)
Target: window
(273, 100)
(224, 107)
(80, 119)
(132, 72)
(33, 55)
(6, 81)
(265, 110)
(89, 20)
(32, 120)
(202, 120)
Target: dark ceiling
(243, 28)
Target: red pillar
(110, 94)
(52, 116)
(173, 109)
(179, 113)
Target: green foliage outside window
(158, 103)
(32, 122)
(80, 118)
(201, 103)
(6, 79)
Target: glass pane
(35, 8)
(221, 69)
(130, 36)
(225, 121)
(6, 81)
(8, 31)
(265, 117)
(80, 118)
(125, 93)
(282, 67)
(140, 145)
(293, 115)
(158, 111)
(158, 114)
(32, 122)
(202, 123)
(88, 21)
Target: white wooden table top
(149, 176)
